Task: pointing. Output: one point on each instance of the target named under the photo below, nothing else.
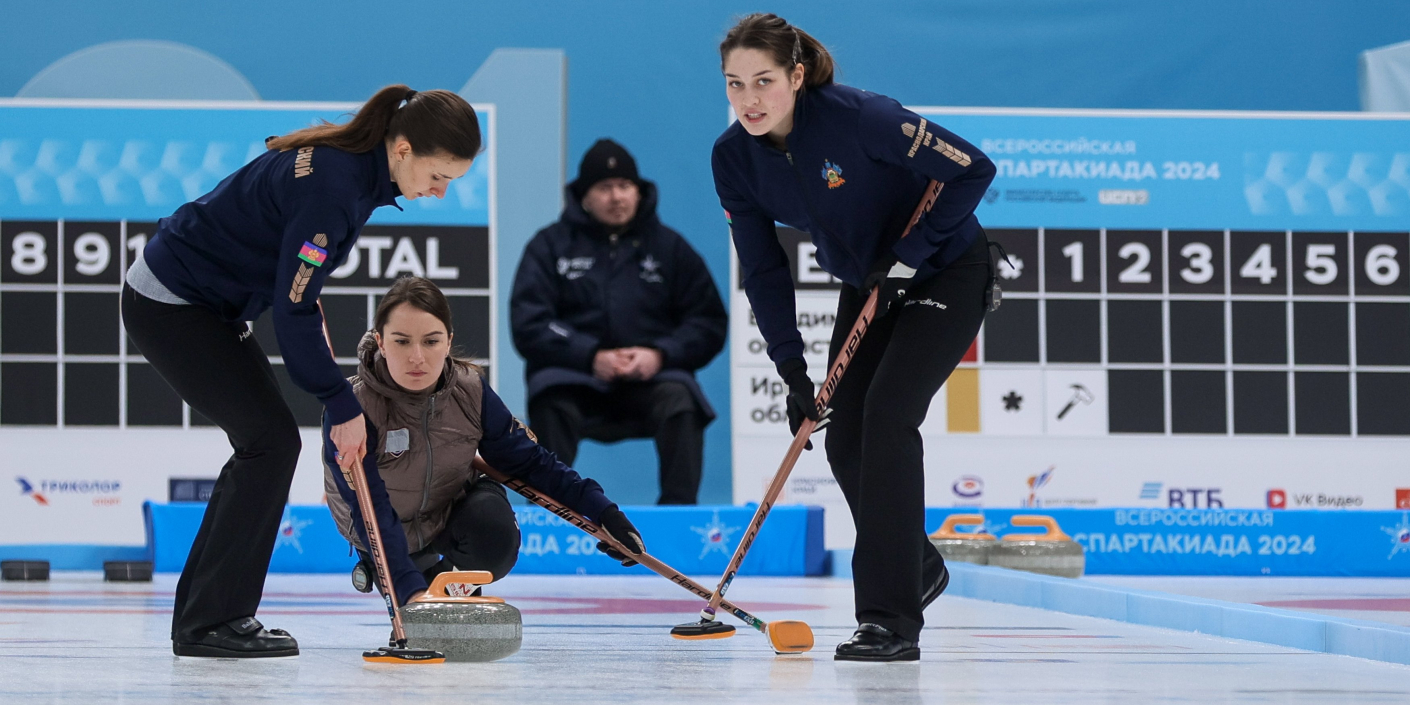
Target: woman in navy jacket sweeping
(267, 236)
(849, 167)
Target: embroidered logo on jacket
(574, 267)
(303, 163)
(305, 273)
(832, 174)
(650, 270)
(928, 139)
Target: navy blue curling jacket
(579, 290)
(268, 235)
(855, 166)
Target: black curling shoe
(238, 638)
(936, 589)
(873, 642)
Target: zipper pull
(788, 154)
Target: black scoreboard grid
(65, 360)
(1218, 332)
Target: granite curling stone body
(462, 626)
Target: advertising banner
(694, 540)
(1224, 542)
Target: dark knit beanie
(604, 160)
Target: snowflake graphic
(290, 528)
(1399, 536)
(715, 536)
(1011, 268)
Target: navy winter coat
(579, 290)
(854, 169)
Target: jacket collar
(384, 190)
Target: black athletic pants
(874, 444)
(562, 416)
(482, 533)
(219, 369)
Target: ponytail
(784, 43)
(434, 122)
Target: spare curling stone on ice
(24, 570)
(1050, 553)
(450, 619)
(127, 571)
(970, 547)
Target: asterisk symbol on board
(1012, 401)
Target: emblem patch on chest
(397, 442)
(832, 174)
(651, 269)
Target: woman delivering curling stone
(267, 236)
(849, 168)
(428, 412)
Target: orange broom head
(388, 654)
(791, 636)
(703, 629)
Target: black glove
(802, 397)
(893, 277)
(614, 522)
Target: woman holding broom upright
(848, 167)
(266, 237)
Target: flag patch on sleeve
(313, 254)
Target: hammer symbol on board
(1080, 394)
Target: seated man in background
(613, 313)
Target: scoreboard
(65, 361)
(1199, 310)
(1211, 332)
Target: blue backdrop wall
(647, 73)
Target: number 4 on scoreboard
(1259, 265)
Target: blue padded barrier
(1300, 630)
(693, 540)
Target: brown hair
(787, 45)
(420, 293)
(434, 122)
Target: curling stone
(1050, 553)
(968, 547)
(127, 571)
(24, 570)
(451, 619)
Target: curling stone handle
(473, 577)
(1051, 531)
(947, 529)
